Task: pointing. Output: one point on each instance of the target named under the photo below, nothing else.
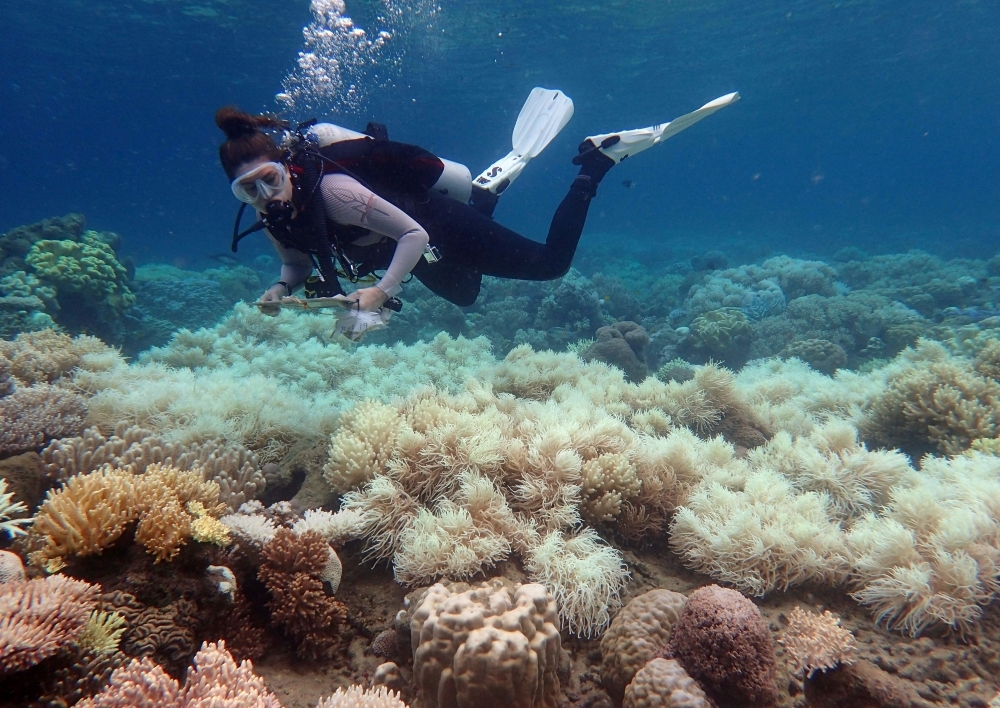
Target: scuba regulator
(310, 235)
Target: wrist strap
(288, 288)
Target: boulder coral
(637, 633)
(663, 683)
(91, 284)
(486, 647)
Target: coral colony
(774, 483)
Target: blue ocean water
(866, 123)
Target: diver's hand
(273, 294)
(370, 298)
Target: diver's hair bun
(236, 123)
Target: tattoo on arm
(354, 202)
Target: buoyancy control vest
(397, 172)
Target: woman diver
(374, 205)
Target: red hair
(245, 139)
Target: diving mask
(261, 183)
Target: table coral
(486, 647)
(230, 465)
(32, 416)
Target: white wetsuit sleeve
(295, 265)
(350, 203)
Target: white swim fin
(544, 114)
(624, 143)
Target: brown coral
(40, 618)
(164, 634)
(292, 572)
(724, 643)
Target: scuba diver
(339, 203)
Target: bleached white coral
(359, 697)
(584, 574)
(832, 460)
(255, 528)
(445, 543)
(361, 447)
(340, 527)
(760, 538)
(931, 555)
(12, 527)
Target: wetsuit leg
(471, 241)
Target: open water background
(872, 124)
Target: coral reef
(91, 511)
(234, 468)
(90, 283)
(358, 697)
(821, 354)
(621, 345)
(817, 642)
(46, 356)
(937, 399)
(32, 416)
(486, 647)
(719, 334)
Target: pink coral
(215, 681)
(724, 643)
(40, 618)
